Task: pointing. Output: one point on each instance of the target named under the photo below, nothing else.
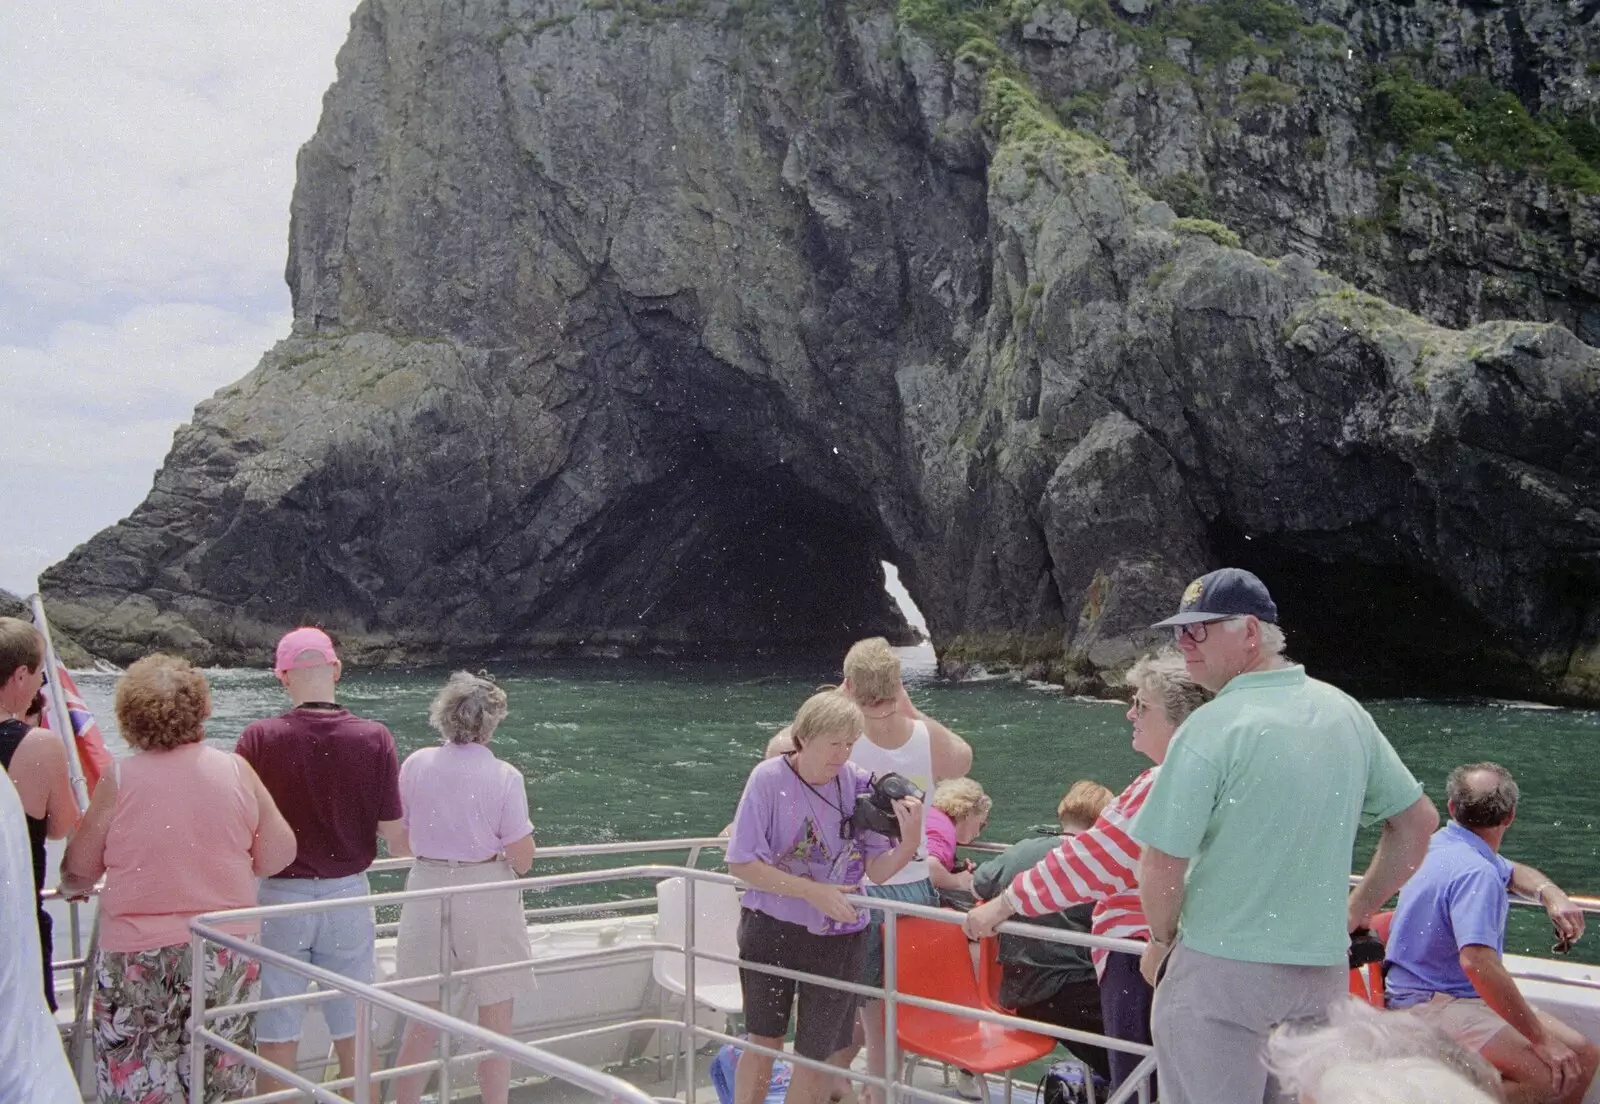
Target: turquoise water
(616, 750)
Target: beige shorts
(1467, 1020)
(486, 929)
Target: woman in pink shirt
(467, 816)
(178, 829)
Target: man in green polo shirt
(1247, 838)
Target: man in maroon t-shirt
(336, 779)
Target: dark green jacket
(1034, 969)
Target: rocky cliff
(633, 325)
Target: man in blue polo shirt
(1449, 932)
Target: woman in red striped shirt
(1102, 864)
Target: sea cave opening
(718, 559)
(1379, 629)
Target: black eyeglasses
(1196, 632)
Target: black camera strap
(839, 786)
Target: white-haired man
(1448, 935)
(1247, 837)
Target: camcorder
(874, 811)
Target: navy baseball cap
(1224, 593)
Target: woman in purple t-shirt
(792, 842)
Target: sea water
(650, 749)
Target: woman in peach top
(178, 829)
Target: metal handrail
(692, 1034)
(694, 845)
(367, 997)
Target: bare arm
(274, 846)
(952, 756)
(944, 879)
(1567, 917)
(908, 812)
(828, 898)
(85, 858)
(395, 837)
(520, 854)
(1161, 892)
(1499, 991)
(1401, 849)
(46, 759)
(781, 744)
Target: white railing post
(689, 883)
(197, 1018)
(891, 1041)
(363, 1071)
(445, 1003)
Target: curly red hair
(162, 702)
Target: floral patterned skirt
(141, 1024)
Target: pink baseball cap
(294, 645)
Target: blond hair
(826, 713)
(1083, 803)
(468, 709)
(162, 702)
(958, 798)
(1165, 678)
(20, 646)
(873, 670)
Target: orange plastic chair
(990, 973)
(932, 961)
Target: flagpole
(56, 703)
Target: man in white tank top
(901, 739)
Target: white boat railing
(331, 986)
(691, 1035)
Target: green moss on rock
(1207, 229)
(1266, 90)
(1485, 124)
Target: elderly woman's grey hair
(468, 709)
(1164, 679)
(1357, 1034)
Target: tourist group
(1227, 859)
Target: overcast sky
(144, 225)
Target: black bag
(1067, 1082)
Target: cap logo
(1191, 593)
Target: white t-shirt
(914, 760)
(33, 1067)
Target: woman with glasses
(1102, 864)
(794, 844)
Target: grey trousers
(1212, 1016)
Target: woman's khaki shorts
(486, 929)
